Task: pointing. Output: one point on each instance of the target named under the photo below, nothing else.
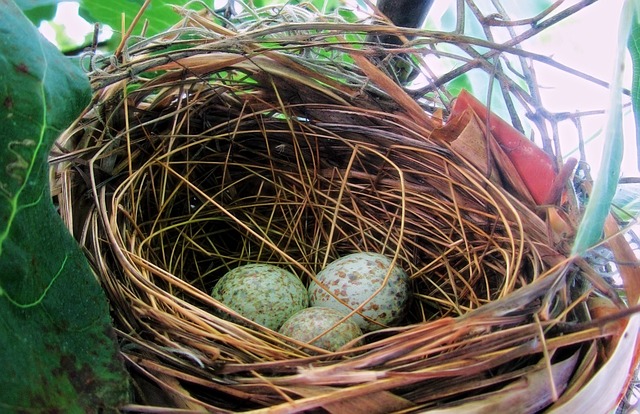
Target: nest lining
(210, 158)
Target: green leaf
(58, 350)
(26, 5)
(459, 83)
(325, 6)
(159, 14)
(348, 15)
(634, 49)
(606, 183)
(38, 10)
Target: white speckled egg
(263, 293)
(307, 324)
(353, 279)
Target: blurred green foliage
(38, 10)
(157, 17)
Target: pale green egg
(263, 293)
(324, 325)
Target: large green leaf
(38, 10)
(58, 351)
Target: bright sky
(586, 42)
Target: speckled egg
(354, 279)
(307, 324)
(263, 293)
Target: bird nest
(207, 148)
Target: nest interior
(202, 153)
